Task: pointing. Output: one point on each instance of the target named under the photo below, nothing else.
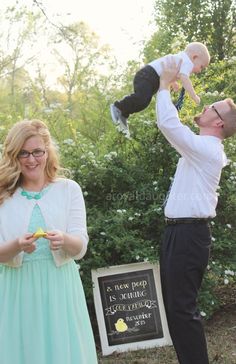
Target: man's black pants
(146, 83)
(184, 258)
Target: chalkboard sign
(129, 307)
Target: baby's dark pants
(146, 83)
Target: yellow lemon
(39, 233)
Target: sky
(123, 24)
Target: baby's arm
(187, 85)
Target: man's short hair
(229, 118)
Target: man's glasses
(218, 114)
(37, 153)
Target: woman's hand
(27, 243)
(56, 239)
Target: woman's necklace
(34, 195)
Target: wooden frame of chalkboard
(129, 307)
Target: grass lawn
(221, 336)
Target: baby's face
(199, 64)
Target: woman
(44, 317)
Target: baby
(194, 58)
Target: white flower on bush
(158, 209)
(126, 135)
(175, 45)
(203, 314)
(110, 156)
(94, 163)
(137, 257)
(137, 214)
(91, 154)
(69, 141)
(102, 233)
(85, 193)
(229, 272)
(154, 183)
(152, 150)
(145, 260)
(147, 122)
(131, 218)
(229, 226)
(213, 239)
(215, 93)
(47, 110)
(121, 211)
(226, 281)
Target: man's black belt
(186, 220)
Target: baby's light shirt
(186, 66)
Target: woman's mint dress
(45, 318)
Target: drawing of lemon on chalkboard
(121, 325)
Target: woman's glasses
(37, 153)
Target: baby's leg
(146, 84)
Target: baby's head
(199, 55)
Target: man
(191, 203)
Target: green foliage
(212, 22)
(125, 184)
(123, 194)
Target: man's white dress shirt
(194, 189)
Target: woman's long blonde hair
(10, 171)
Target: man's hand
(170, 72)
(174, 86)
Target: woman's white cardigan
(62, 207)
